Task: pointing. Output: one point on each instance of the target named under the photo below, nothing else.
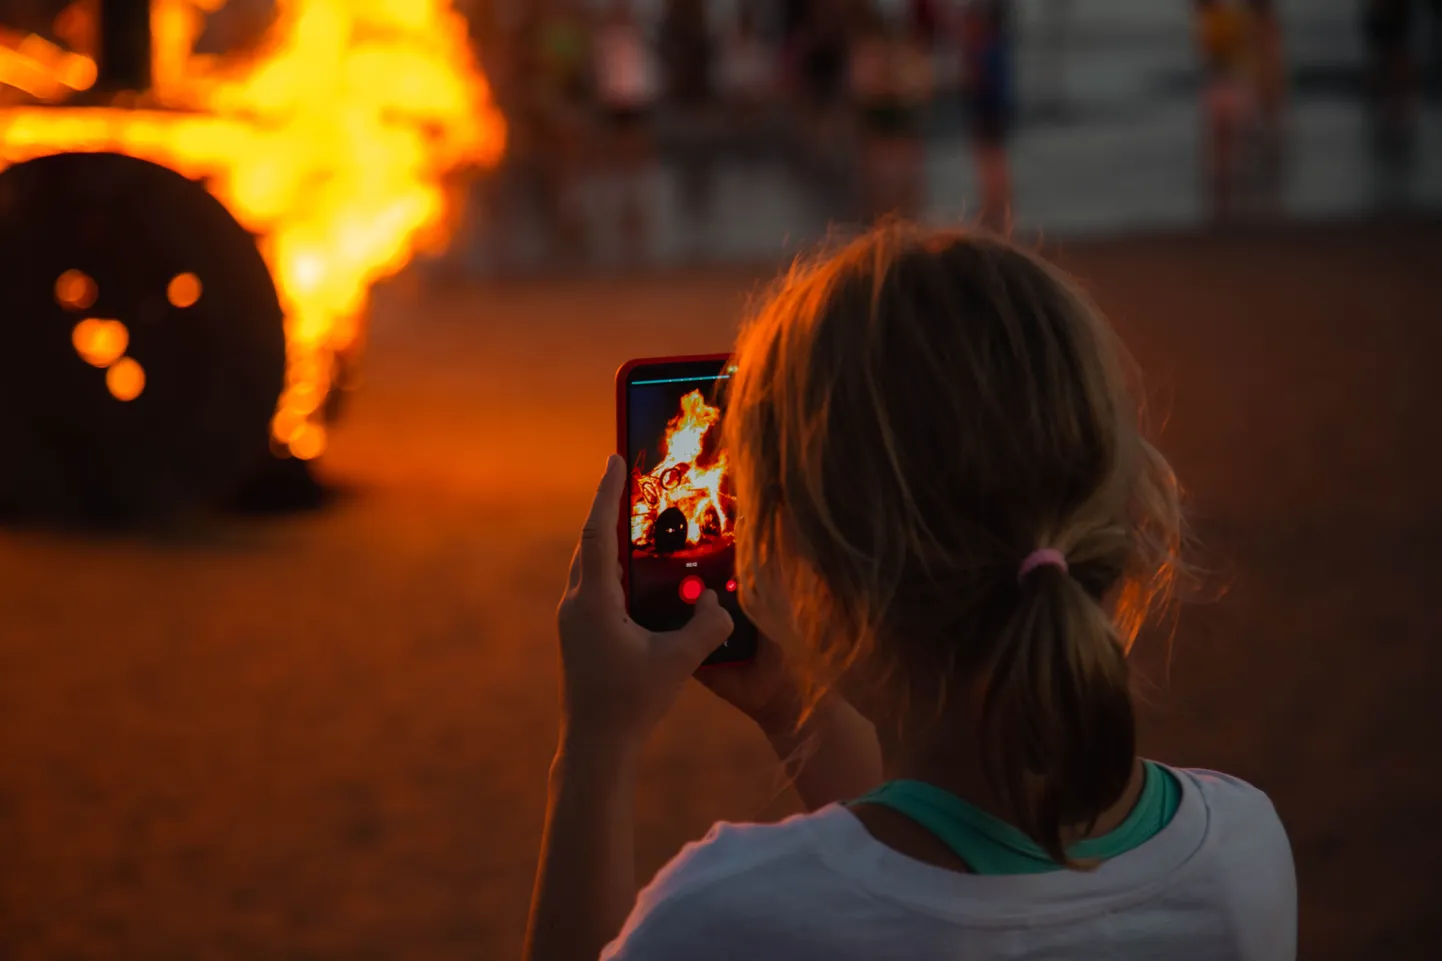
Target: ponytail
(1058, 727)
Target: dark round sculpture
(668, 533)
(143, 341)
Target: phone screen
(681, 537)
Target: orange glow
(308, 442)
(100, 343)
(337, 144)
(75, 290)
(680, 480)
(183, 290)
(126, 379)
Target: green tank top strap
(989, 845)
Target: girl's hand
(617, 678)
(764, 689)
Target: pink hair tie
(1045, 557)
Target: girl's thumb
(707, 630)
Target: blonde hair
(911, 417)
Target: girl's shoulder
(730, 849)
(1226, 791)
(718, 894)
(1242, 826)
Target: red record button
(692, 588)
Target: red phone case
(623, 524)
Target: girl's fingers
(707, 630)
(598, 550)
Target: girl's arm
(833, 756)
(586, 883)
(617, 681)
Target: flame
(38, 67)
(335, 145)
(683, 481)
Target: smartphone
(678, 521)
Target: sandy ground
(326, 736)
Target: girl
(953, 531)
(821, 52)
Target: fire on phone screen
(681, 537)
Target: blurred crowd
(841, 86)
(844, 89)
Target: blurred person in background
(626, 90)
(793, 22)
(688, 55)
(555, 49)
(986, 40)
(891, 84)
(1269, 84)
(748, 75)
(927, 23)
(1388, 25)
(822, 59)
(1225, 37)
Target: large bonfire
(335, 142)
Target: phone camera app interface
(682, 506)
